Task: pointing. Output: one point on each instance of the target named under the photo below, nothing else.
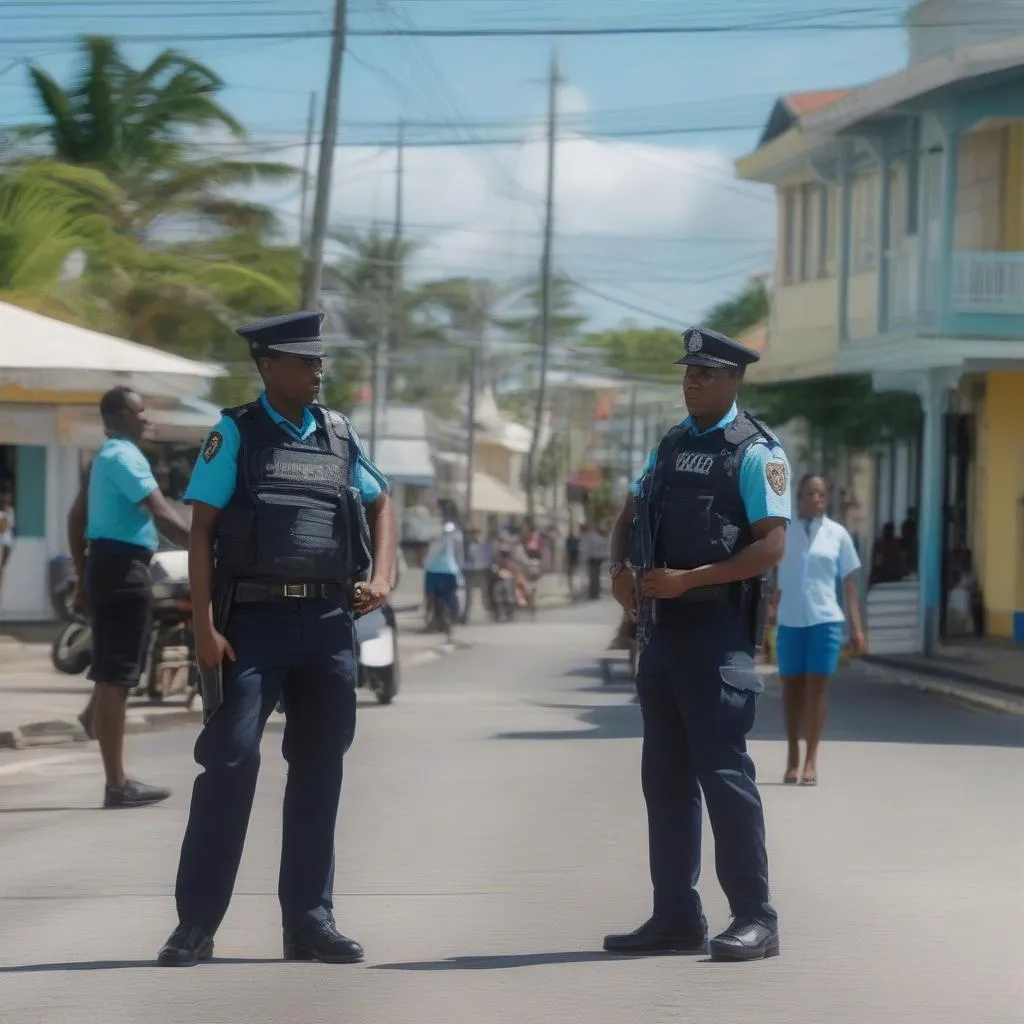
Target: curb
(952, 674)
(973, 693)
(61, 731)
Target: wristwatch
(614, 568)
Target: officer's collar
(691, 426)
(308, 420)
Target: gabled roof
(789, 109)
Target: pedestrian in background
(6, 530)
(811, 624)
(594, 544)
(115, 515)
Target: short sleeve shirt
(119, 481)
(216, 470)
(819, 554)
(764, 474)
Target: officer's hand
(79, 602)
(666, 583)
(369, 596)
(212, 648)
(624, 590)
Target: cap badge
(694, 342)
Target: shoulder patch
(777, 476)
(213, 445)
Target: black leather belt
(699, 595)
(252, 591)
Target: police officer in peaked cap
(701, 528)
(288, 516)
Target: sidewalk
(39, 706)
(991, 663)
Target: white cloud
(618, 205)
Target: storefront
(52, 376)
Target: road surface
(492, 830)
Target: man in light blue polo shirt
(115, 515)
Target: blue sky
(653, 222)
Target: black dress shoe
(652, 938)
(746, 940)
(187, 945)
(134, 794)
(321, 942)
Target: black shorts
(120, 593)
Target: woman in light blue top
(811, 623)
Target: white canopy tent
(39, 352)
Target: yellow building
(901, 255)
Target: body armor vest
(696, 510)
(294, 516)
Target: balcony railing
(988, 282)
(983, 282)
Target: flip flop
(790, 779)
(812, 781)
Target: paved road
(492, 830)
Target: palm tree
(139, 127)
(42, 224)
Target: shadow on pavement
(504, 962)
(860, 710)
(121, 965)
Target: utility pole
(474, 372)
(325, 168)
(554, 80)
(387, 338)
(310, 123)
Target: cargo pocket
(737, 698)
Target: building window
(865, 223)
(808, 198)
(790, 238)
(826, 230)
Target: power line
(525, 32)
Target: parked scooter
(171, 645)
(377, 653)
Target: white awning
(492, 496)
(404, 461)
(39, 352)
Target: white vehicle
(377, 653)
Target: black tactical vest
(696, 511)
(293, 517)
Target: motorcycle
(170, 660)
(377, 653)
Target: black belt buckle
(297, 590)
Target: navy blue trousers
(301, 652)
(698, 693)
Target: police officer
(284, 505)
(702, 526)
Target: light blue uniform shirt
(445, 555)
(216, 469)
(764, 474)
(819, 554)
(119, 481)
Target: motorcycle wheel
(63, 654)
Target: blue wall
(30, 491)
